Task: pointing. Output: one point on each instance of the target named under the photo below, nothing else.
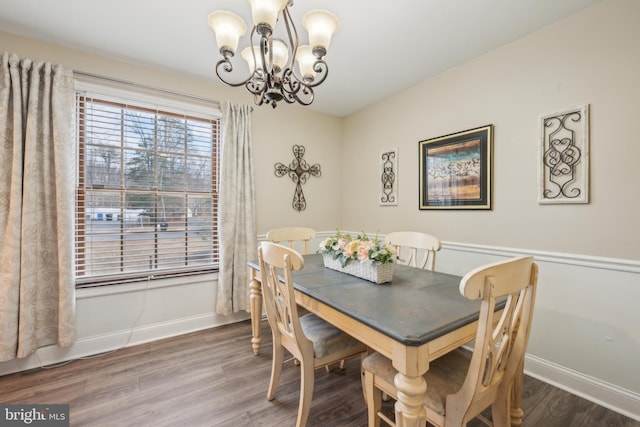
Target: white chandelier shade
(251, 54)
(271, 60)
(228, 27)
(266, 11)
(321, 25)
(305, 61)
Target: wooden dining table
(412, 320)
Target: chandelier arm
(296, 91)
(266, 45)
(289, 99)
(257, 84)
(322, 70)
(292, 91)
(294, 40)
(320, 66)
(226, 66)
(290, 81)
(309, 93)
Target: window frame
(162, 102)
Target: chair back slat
(297, 238)
(278, 261)
(414, 248)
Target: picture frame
(456, 170)
(564, 157)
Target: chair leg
(499, 415)
(363, 385)
(307, 378)
(500, 410)
(374, 400)
(276, 368)
(515, 408)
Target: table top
(416, 307)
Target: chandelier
(272, 77)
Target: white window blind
(146, 200)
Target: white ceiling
(380, 49)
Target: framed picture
(564, 157)
(455, 170)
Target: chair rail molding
(616, 264)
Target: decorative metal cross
(298, 170)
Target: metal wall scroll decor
(389, 178)
(564, 157)
(299, 171)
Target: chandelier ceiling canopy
(272, 75)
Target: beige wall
(590, 58)
(274, 133)
(589, 255)
(586, 312)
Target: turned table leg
(409, 409)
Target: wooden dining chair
(295, 237)
(312, 341)
(460, 384)
(412, 246)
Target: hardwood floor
(211, 378)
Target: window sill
(98, 291)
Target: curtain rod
(158, 89)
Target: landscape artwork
(455, 170)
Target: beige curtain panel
(37, 152)
(236, 210)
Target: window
(146, 197)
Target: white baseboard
(607, 395)
(96, 345)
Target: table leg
(408, 407)
(516, 411)
(255, 298)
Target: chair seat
(445, 376)
(326, 338)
